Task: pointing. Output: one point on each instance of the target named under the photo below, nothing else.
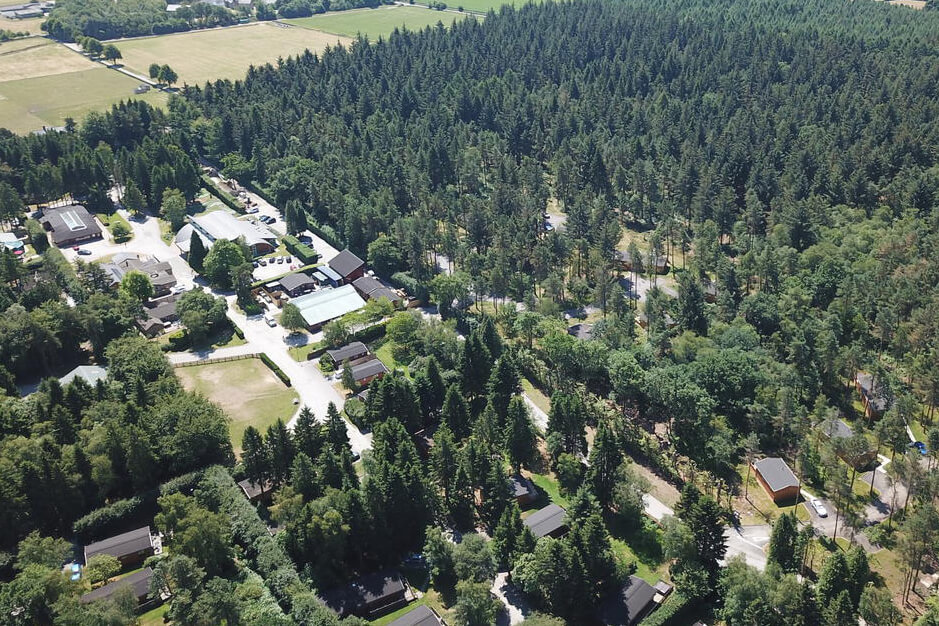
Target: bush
(230, 201)
(411, 285)
(237, 330)
(279, 373)
(676, 610)
(370, 333)
(179, 341)
(37, 236)
(303, 252)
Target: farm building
(159, 273)
(366, 372)
(837, 430)
(349, 352)
(370, 596)
(91, 374)
(777, 479)
(627, 607)
(523, 490)
(139, 582)
(298, 284)
(130, 548)
(420, 616)
(372, 288)
(223, 225)
(872, 394)
(548, 522)
(325, 275)
(348, 266)
(70, 225)
(322, 306)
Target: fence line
(221, 359)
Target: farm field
(374, 23)
(33, 57)
(201, 56)
(247, 391)
(31, 26)
(483, 6)
(28, 104)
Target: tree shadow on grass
(645, 540)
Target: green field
(375, 23)
(199, 56)
(483, 6)
(30, 103)
(247, 391)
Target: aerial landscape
(583, 312)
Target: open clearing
(200, 56)
(31, 103)
(483, 6)
(375, 23)
(247, 391)
(34, 57)
(31, 26)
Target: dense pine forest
(780, 156)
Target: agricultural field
(374, 23)
(247, 391)
(33, 26)
(42, 83)
(201, 56)
(483, 6)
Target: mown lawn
(375, 23)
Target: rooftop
(630, 604)
(252, 489)
(421, 616)
(327, 304)
(776, 473)
(836, 429)
(546, 521)
(364, 591)
(521, 486)
(368, 369)
(223, 225)
(581, 331)
(348, 352)
(121, 545)
(139, 581)
(70, 222)
(296, 281)
(345, 263)
(91, 374)
(329, 273)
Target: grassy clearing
(154, 617)
(247, 391)
(199, 56)
(300, 354)
(540, 400)
(32, 26)
(374, 23)
(35, 56)
(111, 220)
(31, 103)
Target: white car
(270, 321)
(178, 289)
(819, 507)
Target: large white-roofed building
(223, 225)
(324, 305)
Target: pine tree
(503, 384)
(456, 412)
(520, 446)
(568, 418)
(336, 434)
(605, 459)
(303, 477)
(833, 580)
(254, 455)
(508, 540)
(840, 612)
(308, 434)
(444, 461)
(475, 365)
(490, 337)
(782, 543)
(859, 572)
(281, 450)
(495, 496)
(197, 252)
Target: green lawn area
(300, 354)
(28, 104)
(199, 56)
(225, 338)
(385, 354)
(375, 23)
(154, 617)
(247, 391)
(111, 220)
(483, 6)
(759, 507)
(549, 486)
(541, 401)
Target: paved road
(826, 525)
(891, 492)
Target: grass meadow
(375, 23)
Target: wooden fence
(221, 359)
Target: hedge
(303, 252)
(116, 516)
(326, 233)
(279, 373)
(273, 279)
(676, 610)
(37, 236)
(370, 333)
(226, 198)
(411, 285)
(237, 330)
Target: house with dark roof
(372, 288)
(630, 605)
(70, 225)
(349, 352)
(297, 284)
(523, 490)
(581, 331)
(623, 261)
(139, 583)
(160, 273)
(366, 372)
(837, 431)
(873, 396)
(550, 521)
(370, 596)
(130, 548)
(777, 479)
(420, 616)
(348, 266)
(255, 492)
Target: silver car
(819, 507)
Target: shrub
(676, 610)
(179, 341)
(279, 373)
(230, 201)
(411, 285)
(37, 236)
(237, 330)
(303, 252)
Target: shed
(129, 548)
(373, 289)
(777, 479)
(139, 582)
(91, 374)
(369, 596)
(420, 616)
(347, 265)
(328, 276)
(581, 331)
(837, 430)
(297, 284)
(873, 396)
(255, 492)
(523, 490)
(630, 604)
(366, 372)
(69, 225)
(349, 352)
(548, 522)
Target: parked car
(287, 259)
(84, 252)
(919, 445)
(271, 220)
(262, 261)
(270, 321)
(251, 210)
(256, 264)
(280, 260)
(819, 507)
(267, 219)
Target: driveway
(516, 607)
(892, 493)
(824, 526)
(748, 541)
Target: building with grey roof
(550, 521)
(369, 596)
(139, 583)
(160, 273)
(777, 479)
(217, 225)
(91, 374)
(420, 616)
(630, 604)
(130, 547)
(347, 265)
(366, 372)
(297, 284)
(324, 305)
(373, 289)
(581, 331)
(523, 490)
(349, 352)
(70, 225)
